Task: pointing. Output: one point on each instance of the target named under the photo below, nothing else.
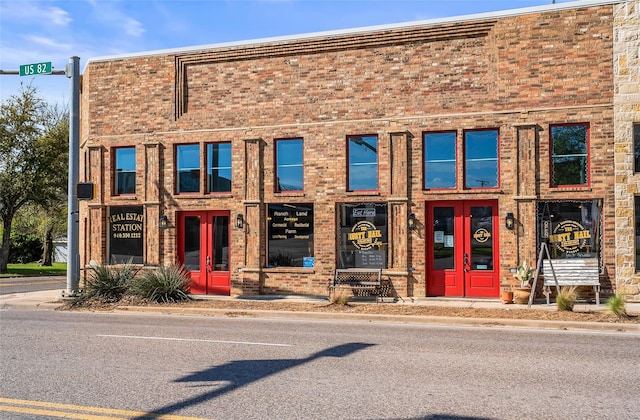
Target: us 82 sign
(35, 69)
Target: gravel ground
(508, 312)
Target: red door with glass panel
(462, 249)
(203, 250)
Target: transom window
(569, 156)
(481, 159)
(125, 170)
(289, 165)
(187, 168)
(363, 162)
(439, 160)
(218, 167)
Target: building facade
(443, 152)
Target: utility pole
(73, 228)
(72, 71)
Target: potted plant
(521, 292)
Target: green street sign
(36, 68)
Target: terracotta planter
(521, 295)
(506, 296)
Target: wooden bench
(359, 280)
(572, 272)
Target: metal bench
(572, 272)
(359, 280)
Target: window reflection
(188, 168)
(363, 163)
(125, 167)
(219, 167)
(439, 160)
(289, 165)
(481, 159)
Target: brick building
(443, 152)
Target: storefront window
(188, 168)
(289, 165)
(290, 235)
(126, 227)
(125, 170)
(571, 229)
(481, 159)
(569, 157)
(439, 160)
(219, 167)
(363, 163)
(362, 235)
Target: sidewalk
(51, 299)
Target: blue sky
(47, 30)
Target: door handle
(466, 262)
(209, 270)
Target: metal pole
(73, 261)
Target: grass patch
(616, 305)
(35, 269)
(163, 285)
(566, 298)
(339, 297)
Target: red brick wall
(535, 69)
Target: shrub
(339, 297)
(109, 283)
(566, 298)
(615, 305)
(25, 248)
(165, 284)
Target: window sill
(306, 270)
(124, 197)
(197, 196)
(363, 193)
(289, 194)
(570, 189)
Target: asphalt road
(130, 365)
(9, 285)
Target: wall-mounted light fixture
(509, 221)
(239, 221)
(411, 221)
(163, 223)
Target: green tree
(33, 158)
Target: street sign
(36, 68)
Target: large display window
(290, 235)
(572, 229)
(126, 227)
(362, 235)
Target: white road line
(249, 343)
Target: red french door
(462, 249)
(203, 250)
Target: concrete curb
(52, 299)
(400, 319)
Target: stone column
(253, 230)
(152, 206)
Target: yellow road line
(48, 409)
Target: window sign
(363, 237)
(126, 228)
(571, 228)
(290, 235)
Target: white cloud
(110, 14)
(26, 11)
(47, 42)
